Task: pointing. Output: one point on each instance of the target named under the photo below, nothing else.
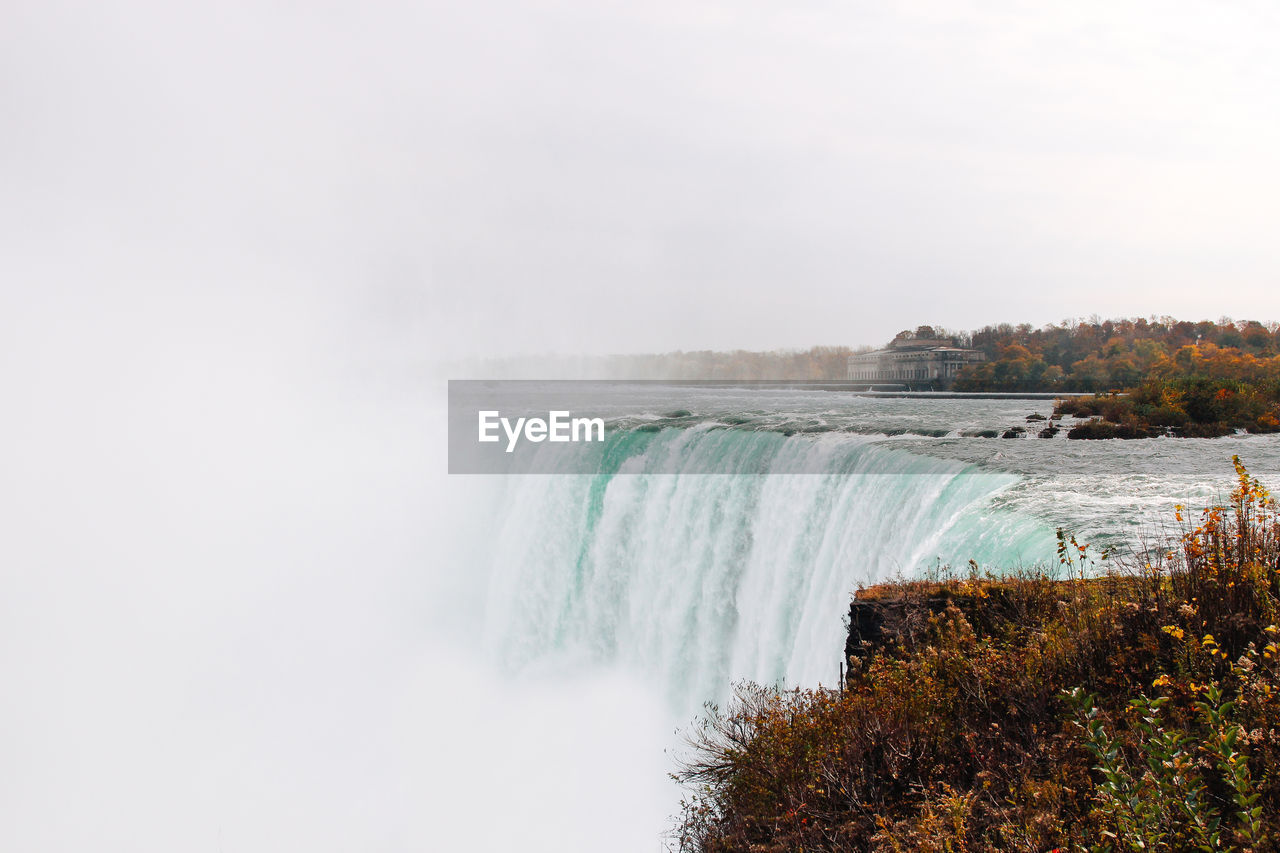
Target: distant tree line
(1074, 355)
(821, 362)
(1177, 377)
(1091, 355)
(1105, 355)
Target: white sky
(495, 178)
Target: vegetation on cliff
(1116, 708)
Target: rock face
(893, 623)
(894, 618)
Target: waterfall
(696, 580)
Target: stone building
(915, 362)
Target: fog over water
(242, 605)
(240, 614)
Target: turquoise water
(631, 558)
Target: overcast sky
(600, 176)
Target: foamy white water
(698, 580)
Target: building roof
(901, 349)
(918, 343)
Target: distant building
(915, 362)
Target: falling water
(696, 580)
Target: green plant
(1225, 745)
(1158, 802)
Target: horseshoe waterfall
(696, 580)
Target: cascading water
(696, 580)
